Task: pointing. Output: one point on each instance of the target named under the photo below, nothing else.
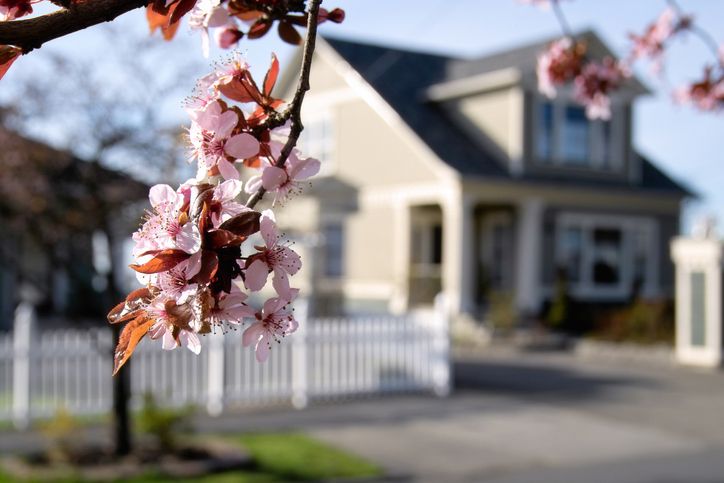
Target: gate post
(698, 300)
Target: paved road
(525, 418)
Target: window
(575, 136)
(317, 141)
(607, 255)
(427, 244)
(544, 138)
(333, 250)
(563, 135)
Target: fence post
(300, 398)
(441, 347)
(23, 334)
(215, 388)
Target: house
(455, 175)
(57, 213)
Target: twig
(703, 35)
(32, 33)
(294, 111)
(558, 11)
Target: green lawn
(282, 457)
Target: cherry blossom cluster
(190, 253)
(565, 61)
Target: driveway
(522, 417)
(519, 417)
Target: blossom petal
(228, 190)
(226, 123)
(256, 275)
(290, 261)
(168, 342)
(161, 193)
(280, 282)
(304, 169)
(189, 238)
(273, 305)
(268, 228)
(242, 146)
(190, 341)
(262, 349)
(273, 177)
(252, 334)
(227, 169)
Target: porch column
(529, 242)
(458, 260)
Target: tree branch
(34, 32)
(294, 111)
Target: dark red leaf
(209, 266)
(270, 79)
(259, 28)
(181, 8)
(130, 336)
(288, 33)
(244, 224)
(218, 238)
(8, 55)
(162, 261)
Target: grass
(295, 456)
(279, 457)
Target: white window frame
(336, 223)
(596, 150)
(628, 225)
(323, 149)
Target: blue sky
(688, 144)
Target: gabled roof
(402, 77)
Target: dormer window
(564, 136)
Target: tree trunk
(121, 395)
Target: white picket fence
(325, 359)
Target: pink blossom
(174, 283)
(163, 228)
(594, 84)
(652, 43)
(230, 308)
(283, 181)
(273, 257)
(213, 143)
(225, 195)
(559, 64)
(205, 14)
(706, 94)
(273, 323)
(163, 328)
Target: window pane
(572, 248)
(544, 139)
(606, 256)
(436, 244)
(575, 136)
(606, 144)
(334, 251)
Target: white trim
(385, 111)
(476, 84)
(357, 288)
